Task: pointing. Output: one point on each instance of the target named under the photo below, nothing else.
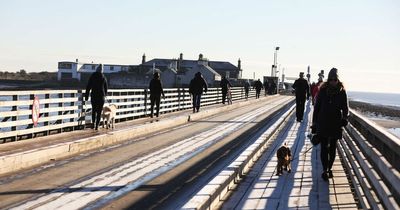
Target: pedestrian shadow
(288, 188)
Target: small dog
(284, 156)
(108, 115)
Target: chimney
(181, 56)
(144, 58)
(200, 57)
(76, 60)
(239, 64)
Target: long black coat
(156, 88)
(330, 110)
(224, 84)
(258, 85)
(197, 85)
(301, 88)
(97, 86)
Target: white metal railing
(65, 110)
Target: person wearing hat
(302, 90)
(330, 115)
(156, 90)
(197, 84)
(97, 87)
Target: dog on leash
(284, 156)
(108, 115)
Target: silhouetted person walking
(266, 87)
(302, 90)
(272, 88)
(225, 85)
(330, 116)
(97, 87)
(197, 84)
(156, 90)
(258, 86)
(246, 89)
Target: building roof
(161, 62)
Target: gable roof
(216, 65)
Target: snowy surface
(395, 131)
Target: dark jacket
(224, 84)
(247, 86)
(97, 86)
(156, 88)
(301, 88)
(331, 110)
(258, 85)
(197, 85)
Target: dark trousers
(300, 103)
(328, 152)
(97, 108)
(155, 100)
(246, 92)
(224, 93)
(196, 101)
(258, 93)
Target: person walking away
(97, 87)
(330, 115)
(225, 85)
(313, 92)
(247, 89)
(156, 90)
(197, 84)
(258, 86)
(302, 91)
(266, 87)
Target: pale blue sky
(359, 37)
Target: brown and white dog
(108, 115)
(284, 156)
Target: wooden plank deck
(303, 188)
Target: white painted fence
(65, 110)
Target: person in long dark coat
(330, 115)
(302, 90)
(197, 84)
(156, 90)
(258, 86)
(97, 87)
(225, 85)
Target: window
(227, 74)
(111, 68)
(93, 67)
(64, 66)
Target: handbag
(315, 140)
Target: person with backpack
(258, 86)
(246, 89)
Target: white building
(73, 70)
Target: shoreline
(386, 116)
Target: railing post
(145, 101)
(14, 118)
